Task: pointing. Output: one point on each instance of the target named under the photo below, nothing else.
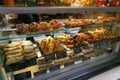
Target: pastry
(14, 52)
(14, 56)
(29, 51)
(27, 43)
(14, 60)
(13, 44)
(56, 24)
(50, 46)
(57, 46)
(102, 19)
(12, 48)
(28, 48)
(33, 27)
(30, 55)
(44, 26)
(22, 28)
(102, 33)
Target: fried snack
(12, 48)
(50, 46)
(33, 27)
(28, 48)
(29, 51)
(13, 44)
(75, 23)
(30, 55)
(102, 33)
(44, 26)
(56, 24)
(14, 56)
(14, 60)
(14, 52)
(102, 19)
(22, 28)
(27, 43)
(67, 40)
(71, 41)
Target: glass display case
(57, 43)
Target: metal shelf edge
(57, 9)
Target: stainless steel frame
(57, 9)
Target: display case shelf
(67, 29)
(57, 9)
(10, 37)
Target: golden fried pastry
(13, 44)
(50, 46)
(14, 52)
(14, 60)
(30, 55)
(56, 24)
(28, 48)
(27, 43)
(14, 56)
(12, 48)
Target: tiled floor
(113, 74)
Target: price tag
(77, 49)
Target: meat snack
(50, 46)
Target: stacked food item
(39, 27)
(29, 51)
(88, 36)
(84, 22)
(50, 46)
(13, 52)
(19, 51)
